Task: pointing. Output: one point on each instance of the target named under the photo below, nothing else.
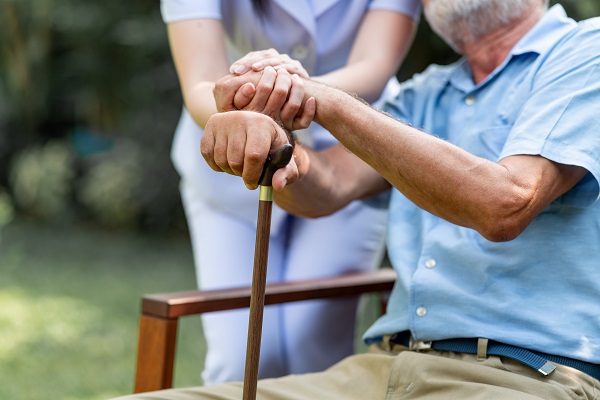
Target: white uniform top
(318, 33)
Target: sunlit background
(90, 215)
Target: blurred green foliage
(102, 68)
(94, 63)
(7, 210)
(42, 179)
(108, 191)
(96, 77)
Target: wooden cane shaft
(257, 297)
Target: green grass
(69, 309)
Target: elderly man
(494, 224)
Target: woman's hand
(258, 60)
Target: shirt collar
(320, 6)
(554, 25)
(306, 12)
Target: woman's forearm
(380, 46)
(200, 102)
(198, 49)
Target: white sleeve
(412, 8)
(179, 10)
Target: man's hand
(274, 93)
(238, 143)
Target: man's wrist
(291, 136)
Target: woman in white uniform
(356, 45)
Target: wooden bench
(161, 313)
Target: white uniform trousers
(297, 337)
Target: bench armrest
(160, 314)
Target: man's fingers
(244, 96)
(228, 87)
(285, 176)
(294, 102)
(236, 148)
(207, 147)
(223, 143)
(263, 90)
(264, 135)
(308, 114)
(220, 154)
(224, 92)
(260, 140)
(238, 143)
(279, 94)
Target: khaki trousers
(392, 372)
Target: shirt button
(421, 311)
(470, 100)
(299, 51)
(430, 263)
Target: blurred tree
(42, 178)
(67, 61)
(94, 73)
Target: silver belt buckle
(416, 345)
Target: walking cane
(280, 158)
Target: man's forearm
(329, 180)
(496, 199)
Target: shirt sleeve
(179, 10)
(412, 8)
(560, 120)
(410, 105)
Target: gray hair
(461, 22)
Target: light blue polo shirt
(540, 291)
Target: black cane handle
(275, 160)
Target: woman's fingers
(244, 64)
(291, 66)
(259, 60)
